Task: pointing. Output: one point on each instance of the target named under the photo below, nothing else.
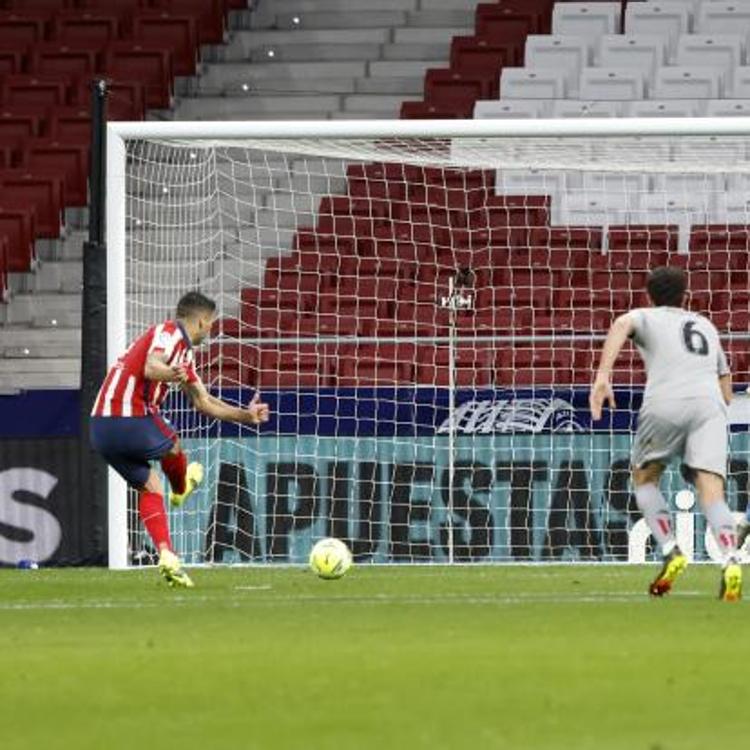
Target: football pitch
(402, 657)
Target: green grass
(522, 658)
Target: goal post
(416, 426)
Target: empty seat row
(626, 84)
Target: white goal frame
(118, 133)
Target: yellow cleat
(731, 583)
(171, 569)
(674, 564)
(193, 477)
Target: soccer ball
(330, 558)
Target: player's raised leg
(154, 518)
(656, 513)
(183, 477)
(724, 531)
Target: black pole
(93, 477)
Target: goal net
(422, 306)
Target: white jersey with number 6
(681, 351)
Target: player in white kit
(683, 415)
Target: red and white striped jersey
(125, 391)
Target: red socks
(154, 517)
(175, 467)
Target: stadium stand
(529, 243)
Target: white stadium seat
(683, 82)
(644, 51)
(529, 182)
(668, 18)
(731, 208)
(541, 83)
(680, 209)
(738, 83)
(629, 183)
(689, 184)
(717, 50)
(578, 108)
(665, 108)
(584, 209)
(723, 18)
(552, 51)
(612, 84)
(586, 19)
(514, 109)
(728, 108)
(738, 183)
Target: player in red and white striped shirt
(129, 432)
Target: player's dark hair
(666, 286)
(194, 302)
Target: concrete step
(376, 103)
(269, 86)
(412, 86)
(51, 276)
(430, 35)
(245, 43)
(457, 5)
(314, 107)
(233, 73)
(23, 365)
(439, 18)
(11, 382)
(339, 20)
(42, 339)
(69, 249)
(348, 114)
(417, 51)
(317, 53)
(402, 68)
(29, 351)
(43, 309)
(323, 6)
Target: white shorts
(693, 430)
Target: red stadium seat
(429, 111)
(69, 159)
(151, 67)
(18, 222)
(477, 54)
(16, 126)
(208, 13)
(42, 189)
(21, 29)
(459, 88)
(178, 34)
(86, 29)
(47, 6)
(474, 366)
(38, 90)
(121, 7)
(511, 21)
(12, 61)
(61, 59)
(71, 124)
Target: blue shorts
(129, 444)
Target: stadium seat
(738, 83)
(476, 54)
(510, 21)
(151, 67)
(589, 20)
(576, 108)
(90, 30)
(644, 51)
(37, 90)
(71, 124)
(552, 51)
(725, 51)
(688, 82)
(209, 15)
(69, 159)
(47, 6)
(473, 366)
(121, 7)
(608, 84)
(667, 19)
(723, 18)
(4, 263)
(587, 210)
(12, 61)
(42, 189)
(664, 108)
(18, 223)
(178, 34)
(459, 88)
(16, 125)
(21, 30)
(53, 58)
(433, 111)
(511, 109)
(521, 83)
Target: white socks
(654, 508)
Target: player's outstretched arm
(601, 391)
(725, 383)
(255, 413)
(157, 369)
